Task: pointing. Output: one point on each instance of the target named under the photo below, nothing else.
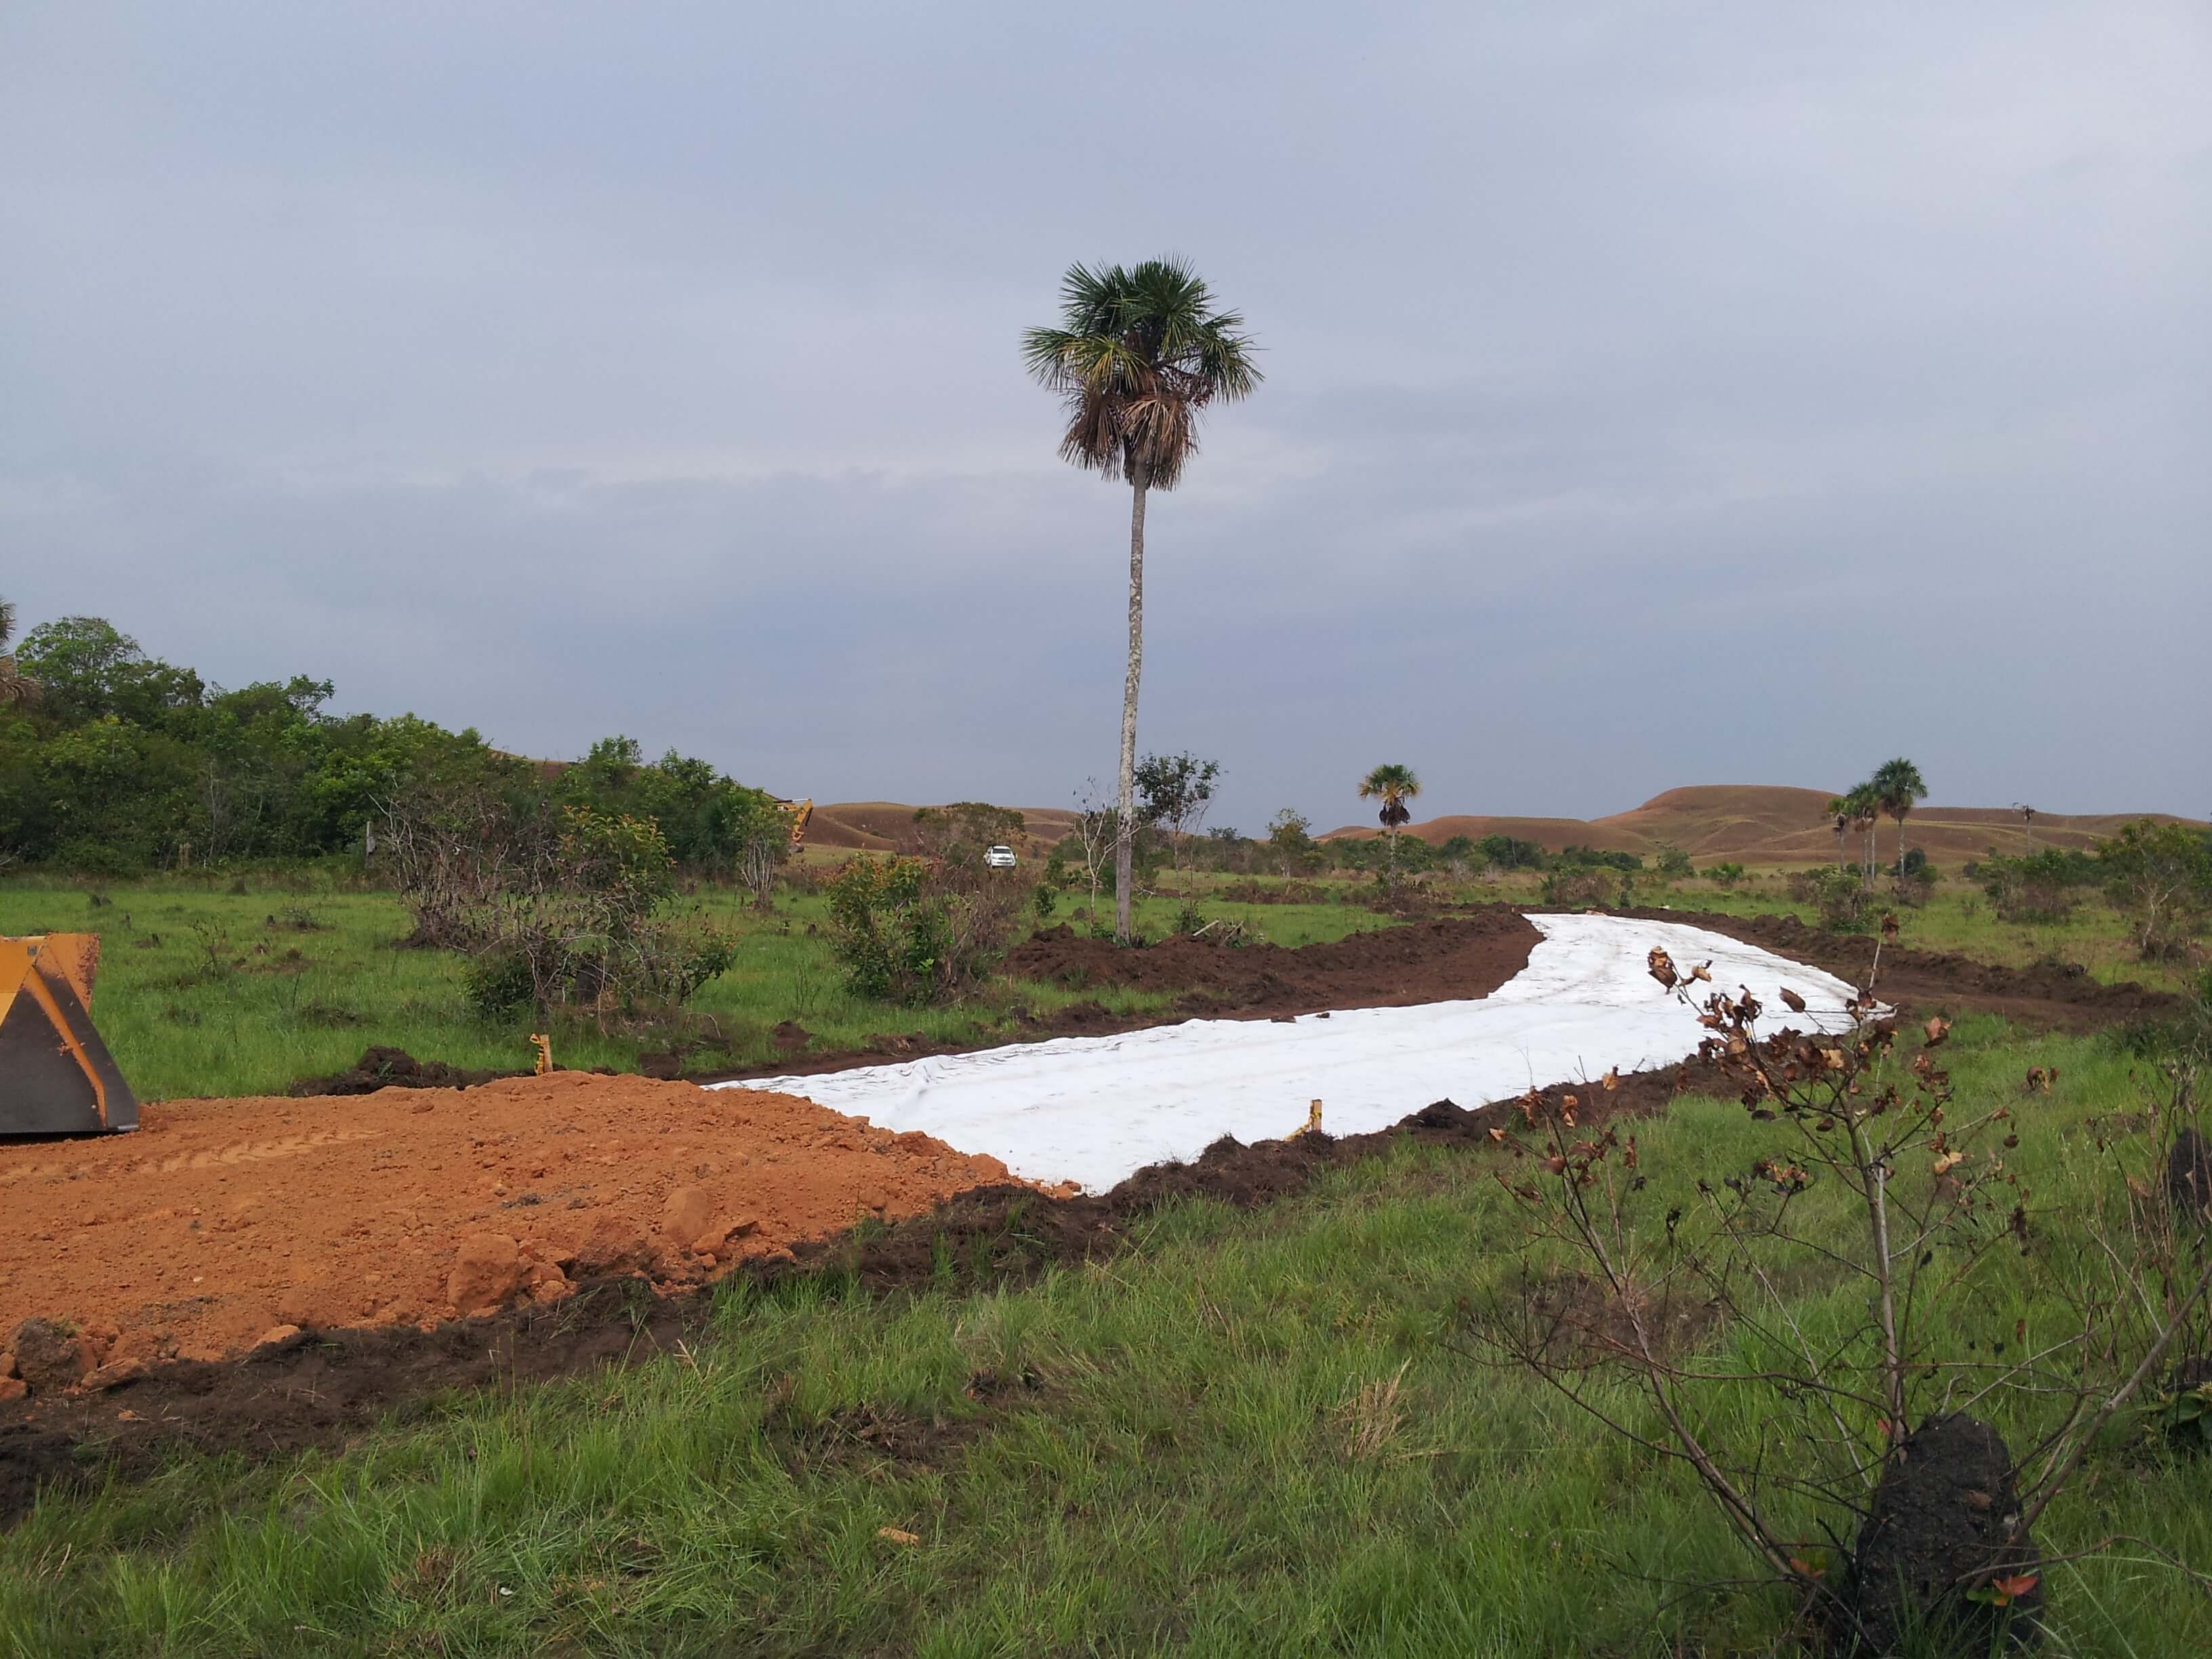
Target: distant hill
(1770, 823)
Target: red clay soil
(317, 1389)
(221, 1220)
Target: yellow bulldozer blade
(56, 1075)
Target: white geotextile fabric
(1096, 1109)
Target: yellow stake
(1312, 1125)
(544, 1044)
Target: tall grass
(206, 990)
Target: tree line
(114, 763)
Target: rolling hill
(1768, 823)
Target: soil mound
(223, 1219)
(1459, 957)
(393, 1068)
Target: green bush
(1592, 857)
(500, 984)
(1725, 875)
(915, 930)
(1508, 853)
(1572, 888)
(2037, 887)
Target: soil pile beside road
(221, 1220)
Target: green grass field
(204, 991)
(1212, 1460)
(1251, 1433)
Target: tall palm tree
(1896, 785)
(1393, 786)
(16, 688)
(1139, 353)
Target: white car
(999, 858)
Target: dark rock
(2189, 1176)
(1939, 1532)
(50, 1358)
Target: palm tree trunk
(1125, 824)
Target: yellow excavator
(56, 1075)
(797, 811)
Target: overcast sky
(1657, 394)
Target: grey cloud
(1654, 397)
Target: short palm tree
(1393, 786)
(1863, 806)
(1840, 809)
(1896, 785)
(16, 688)
(1137, 354)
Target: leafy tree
(1896, 785)
(1139, 354)
(1177, 790)
(1393, 786)
(2160, 876)
(87, 668)
(1290, 837)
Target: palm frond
(1139, 353)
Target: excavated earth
(567, 1216)
(221, 1220)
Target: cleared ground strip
(1094, 1110)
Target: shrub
(554, 907)
(1592, 857)
(2160, 876)
(2039, 887)
(916, 930)
(1725, 875)
(1840, 901)
(1671, 861)
(499, 983)
(1508, 853)
(1571, 888)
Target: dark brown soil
(393, 1068)
(1467, 955)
